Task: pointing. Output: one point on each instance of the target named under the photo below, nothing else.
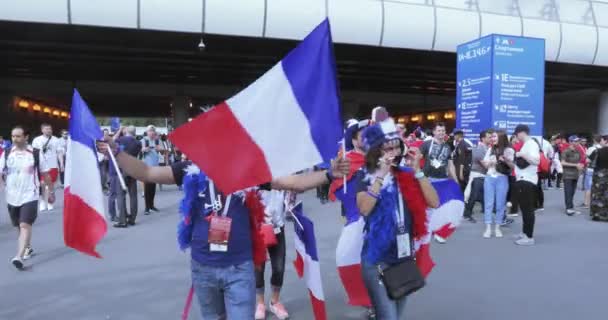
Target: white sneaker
(509, 204)
(488, 233)
(525, 241)
(497, 232)
(17, 262)
(42, 205)
(440, 239)
(49, 207)
(519, 236)
(29, 252)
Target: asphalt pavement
(143, 275)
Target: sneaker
(440, 239)
(488, 233)
(507, 222)
(18, 263)
(154, 209)
(260, 312)
(470, 219)
(42, 206)
(512, 215)
(147, 212)
(509, 205)
(279, 311)
(519, 236)
(525, 241)
(539, 210)
(29, 252)
(371, 314)
(497, 232)
(570, 212)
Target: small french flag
(307, 261)
(287, 120)
(83, 222)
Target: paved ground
(144, 276)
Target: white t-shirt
(530, 173)
(49, 159)
(21, 179)
(509, 154)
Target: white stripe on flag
(312, 271)
(83, 177)
(270, 113)
(350, 244)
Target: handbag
(401, 279)
(270, 239)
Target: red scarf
(414, 198)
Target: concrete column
(602, 114)
(180, 109)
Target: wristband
(373, 195)
(419, 175)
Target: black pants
(475, 196)
(526, 194)
(121, 198)
(512, 195)
(541, 194)
(569, 191)
(149, 193)
(277, 260)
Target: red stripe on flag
(83, 227)
(318, 307)
(298, 263)
(445, 231)
(352, 280)
(223, 150)
(423, 260)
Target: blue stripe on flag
(447, 190)
(311, 71)
(307, 236)
(83, 125)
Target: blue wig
(194, 185)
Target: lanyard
(216, 205)
(399, 211)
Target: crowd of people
(393, 190)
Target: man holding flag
(221, 211)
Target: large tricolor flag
(307, 261)
(83, 222)
(287, 120)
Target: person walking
(463, 152)
(571, 161)
(588, 181)
(499, 163)
(152, 151)
(20, 167)
(527, 160)
(51, 162)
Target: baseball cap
(573, 138)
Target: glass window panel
(508, 7)
(538, 9)
(458, 4)
(601, 13)
(575, 11)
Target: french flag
(83, 222)
(307, 261)
(285, 121)
(442, 221)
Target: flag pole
(290, 210)
(344, 158)
(123, 185)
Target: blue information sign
(501, 81)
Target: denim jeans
(495, 193)
(225, 292)
(386, 309)
(569, 191)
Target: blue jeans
(386, 309)
(495, 193)
(226, 292)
